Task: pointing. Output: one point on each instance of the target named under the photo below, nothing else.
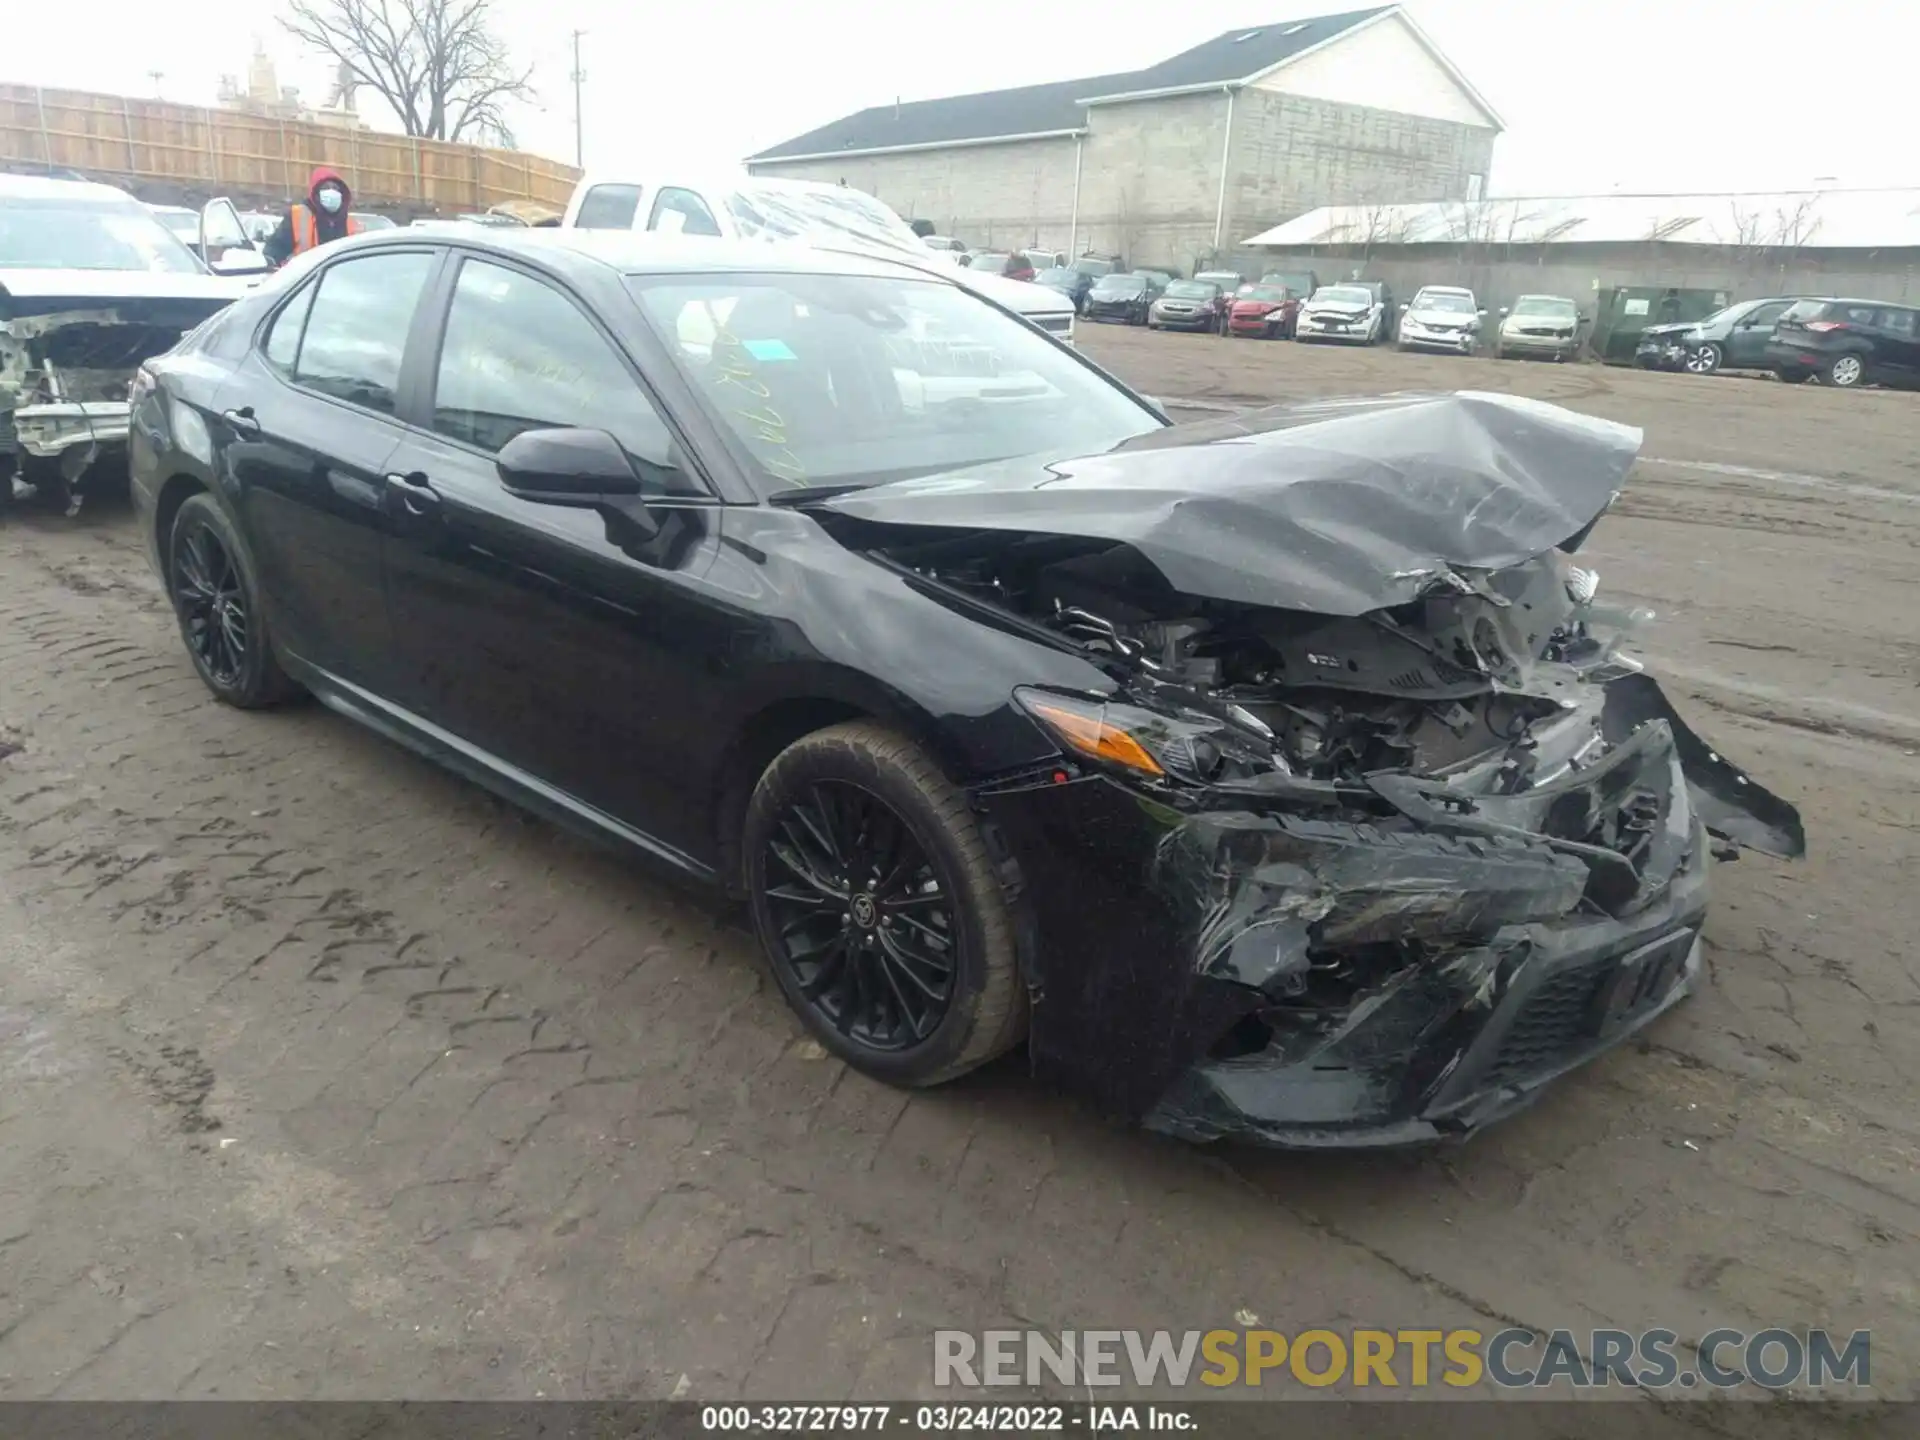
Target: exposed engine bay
(1476, 670)
(64, 382)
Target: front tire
(879, 909)
(1704, 360)
(215, 592)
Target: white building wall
(1007, 194)
(1383, 66)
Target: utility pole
(156, 76)
(579, 133)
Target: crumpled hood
(1335, 307)
(1335, 508)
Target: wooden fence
(198, 152)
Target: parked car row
(1839, 342)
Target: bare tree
(1793, 225)
(438, 63)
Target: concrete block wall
(1292, 154)
(989, 195)
(1150, 179)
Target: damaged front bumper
(1399, 967)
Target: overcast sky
(1598, 95)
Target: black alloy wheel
(210, 580)
(881, 914)
(864, 923)
(212, 606)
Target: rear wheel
(216, 597)
(879, 909)
(1845, 371)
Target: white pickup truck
(754, 207)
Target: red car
(1263, 312)
(1015, 265)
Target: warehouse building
(1169, 164)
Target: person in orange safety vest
(325, 215)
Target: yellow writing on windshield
(762, 426)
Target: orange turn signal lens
(1083, 726)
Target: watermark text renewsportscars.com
(1774, 1359)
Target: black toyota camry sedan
(1282, 778)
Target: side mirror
(1503, 309)
(1483, 314)
(1403, 305)
(566, 467)
(241, 260)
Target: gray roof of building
(1229, 57)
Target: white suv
(753, 207)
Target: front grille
(1553, 1022)
(1061, 324)
(1550, 331)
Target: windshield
(1119, 285)
(88, 235)
(829, 216)
(1058, 275)
(1444, 303)
(1093, 267)
(1265, 294)
(1225, 279)
(988, 261)
(1342, 295)
(182, 223)
(1191, 290)
(1550, 305)
(1298, 281)
(829, 380)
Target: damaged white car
(91, 284)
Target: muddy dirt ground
(324, 1074)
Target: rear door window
(677, 211)
(608, 207)
(1767, 314)
(356, 330)
(283, 335)
(1898, 322)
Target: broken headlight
(1148, 744)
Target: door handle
(242, 421)
(413, 493)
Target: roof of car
(643, 252)
(40, 187)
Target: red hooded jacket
(307, 224)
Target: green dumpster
(1623, 311)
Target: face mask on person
(330, 200)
